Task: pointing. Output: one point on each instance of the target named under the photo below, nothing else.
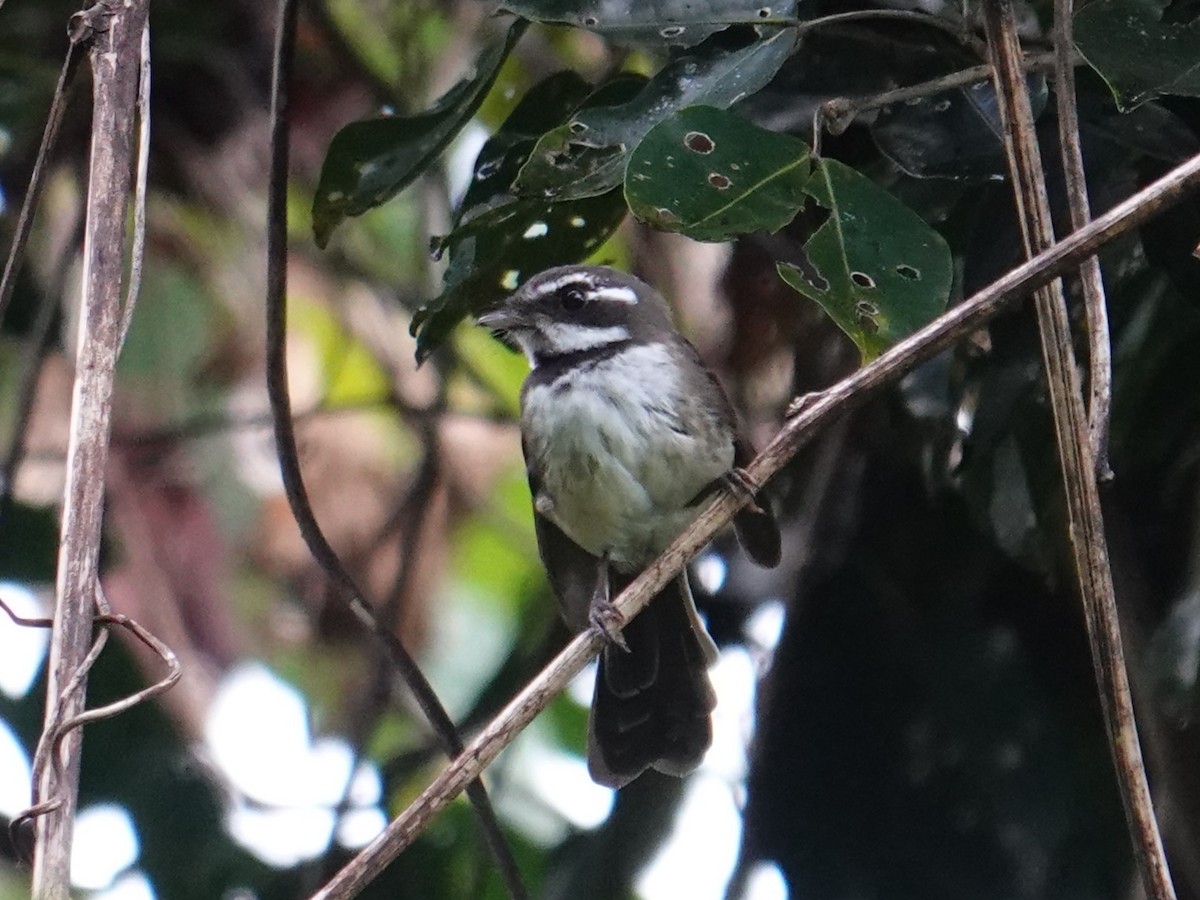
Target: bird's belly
(619, 469)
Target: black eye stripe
(572, 298)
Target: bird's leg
(603, 614)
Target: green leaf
(874, 266)
(500, 240)
(371, 161)
(545, 106)
(586, 156)
(654, 22)
(1138, 54)
(502, 247)
(711, 175)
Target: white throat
(556, 338)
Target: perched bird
(626, 434)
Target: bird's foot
(606, 619)
(602, 613)
(744, 487)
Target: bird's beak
(499, 319)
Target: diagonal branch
(1076, 457)
(813, 412)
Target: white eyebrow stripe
(618, 294)
(551, 287)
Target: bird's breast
(620, 451)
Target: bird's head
(573, 309)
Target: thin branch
(50, 742)
(411, 519)
(959, 33)
(37, 179)
(1096, 312)
(812, 413)
(24, 621)
(289, 461)
(114, 53)
(37, 348)
(158, 647)
(836, 114)
(1086, 523)
(138, 253)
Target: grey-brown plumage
(625, 434)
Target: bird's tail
(651, 704)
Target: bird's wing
(572, 571)
(755, 524)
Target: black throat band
(552, 366)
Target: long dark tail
(651, 705)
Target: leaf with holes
(874, 266)
(500, 240)
(503, 246)
(681, 23)
(544, 106)
(1136, 52)
(711, 175)
(371, 161)
(587, 155)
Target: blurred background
(907, 707)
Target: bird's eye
(572, 299)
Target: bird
(625, 434)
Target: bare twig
(1099, 350)
(24, 621)
(37, 178)
(138, 253)
(411, 517)
(113, 58)
(36, 348)
(1086, 523)
(814, 412)
(837, 113)
(289, 461)
(51, 739)
(160, 649)
(959, 32)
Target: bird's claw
(744, 487)
(606, 620)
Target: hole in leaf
(510, 279)
(698, 142)
(905, 271)
(578, 221)
(865, 309)
(577, 127)
(764, 12)
(863, 280)
(590, 21)
(672, 31)
(665, 216)
(811, 274)
(719, 181)
(536, 230)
